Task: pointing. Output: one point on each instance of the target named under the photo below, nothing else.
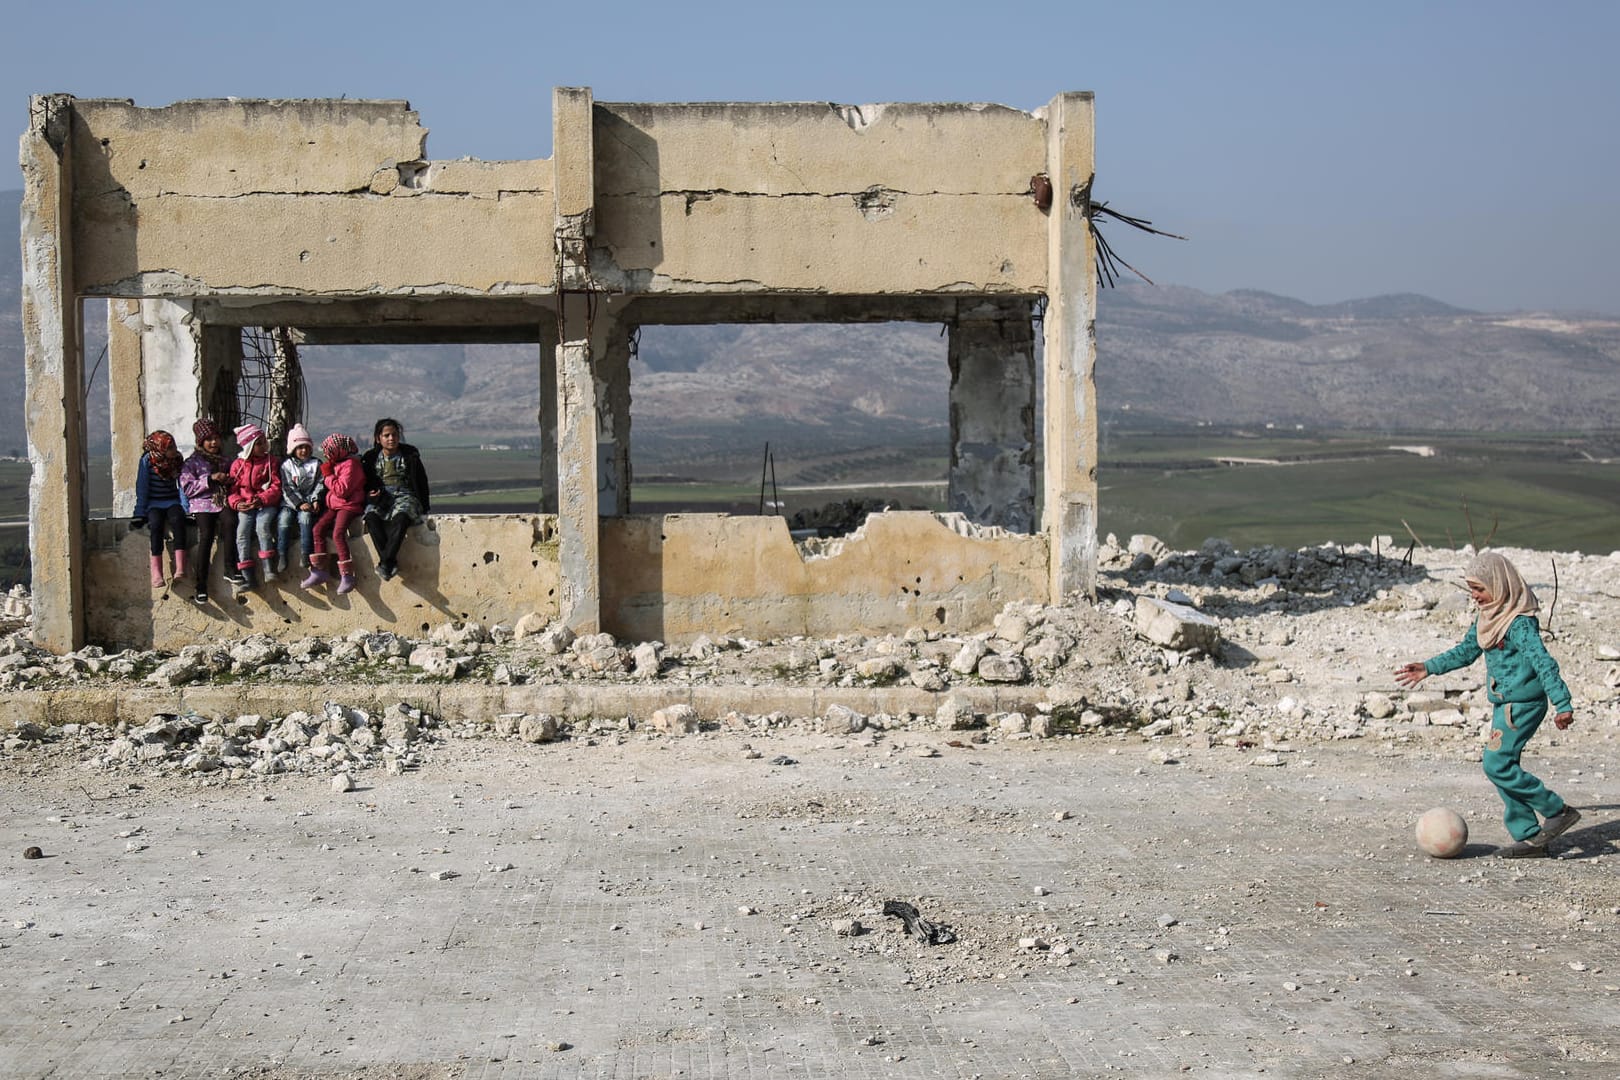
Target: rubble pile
(1254, 650)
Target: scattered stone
(1176, 627)
(1003, 669)
(676, 719)
(342, 782)
(537, 729)
(33, 853)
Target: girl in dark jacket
(396, 492)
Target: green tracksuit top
(1519, 669)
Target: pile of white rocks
(341, 740)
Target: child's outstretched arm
(1409, 675)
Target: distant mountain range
(1165, 355)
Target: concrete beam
(54, 392)
(1070, 442)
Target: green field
(1552, 492)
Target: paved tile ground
(665, 909)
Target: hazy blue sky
(1469, 151)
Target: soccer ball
(1442, 833)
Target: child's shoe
(242, 580)
(179, 563)
(201, 597)
(281, 562)
(268, 558)
(157, 571)
(317, 576)
(1557, 824)
(346, 582)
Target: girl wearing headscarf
(1521, 677)
(345, 484)
(160, 503)
(204, 479)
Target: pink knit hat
(299, 436)
(246, 436)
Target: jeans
(248, 522)
(305, 520)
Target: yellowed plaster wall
(673, 577)
(307, 197)
(892, 199)
(492, 569)
(348, 245)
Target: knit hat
(204, 429)
(299, 436)
(246, 436)
(337, 446)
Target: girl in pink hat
(256, 498)
(301, 490)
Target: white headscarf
(1510, 597)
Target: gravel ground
(1207, 868)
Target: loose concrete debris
(1245, 650)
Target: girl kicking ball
(1521, 676)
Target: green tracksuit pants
(1523, 795)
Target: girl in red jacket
(255, 495)
(345, 500)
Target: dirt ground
(1226, 885)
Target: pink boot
(157, 571)
(317, 573)
(346, 581)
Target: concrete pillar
(1069, 445)
(578, 548)
(613, 419)
(54, 389)
(548, 418)
(992, 471)
(579, 338)
(124, 401)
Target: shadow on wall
(494, 568)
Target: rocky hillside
(1166, 354)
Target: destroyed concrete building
(190, 222)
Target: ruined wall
(493, 569)
(675, 576)
(329, 197)
(837, 199)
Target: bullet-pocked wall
(329, 217)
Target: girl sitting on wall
(396, 492)
(256, 498)
(301, 490)
(160, 502)
(204, 480)
(345, 499)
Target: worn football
(1442, 833)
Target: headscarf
(338, 446)
(162, 455)
(1510, 597)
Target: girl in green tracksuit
(1521, 676)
